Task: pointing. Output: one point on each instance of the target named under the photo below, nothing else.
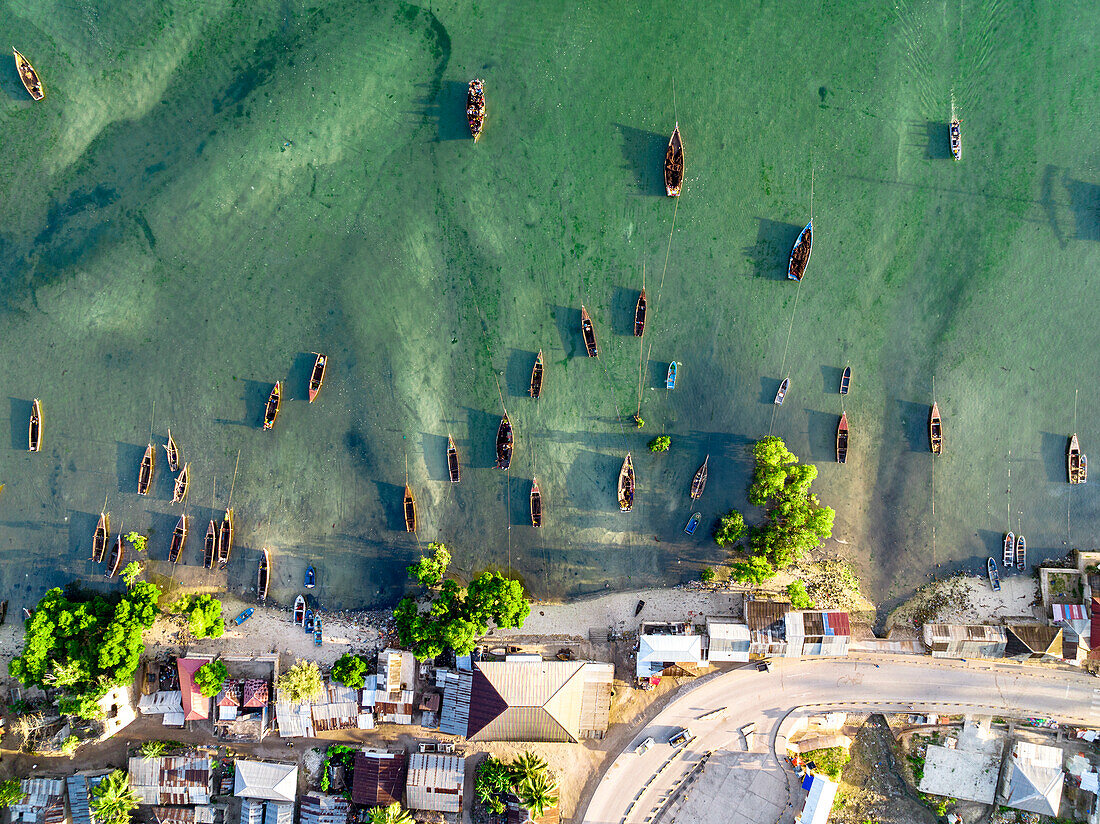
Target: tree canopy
(350, 670)
(429, 570)
(11, 792)
(393, 814)
(210, 678)
(800, 598)
(204, 616)
(528, 777)
(729, 529)
(113, 799)
(302, 682)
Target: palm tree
(113, 800)
(537, 793)
(527, 765)
(392, 814)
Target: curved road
(639, 787)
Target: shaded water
(211, 191)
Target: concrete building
(378, 778)
(435, 782)
(965, 640)
(1033, 779)
(174, 780)
(669, 654)
(817, 633)
(969, 769)
(767, 628)
(727, 641)
(267, 791)
(396, 685)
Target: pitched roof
(171, 779)
(767, 616)
(265, 780)
(1034, 641)
(230, 696)
(435, 782)
(655, 651)
(1035, 778)
(1094, 633)
(378, 778)
(318, 808)
(255, 693)
(196, 706)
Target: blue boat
(311, 577)
(670, 381)
(244, 616)
(693, 522)
(308, 623)
(317, 631)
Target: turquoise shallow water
(211, 191)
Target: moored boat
(845, 380)
(842, 439)
(317, 376)
(31, 81)
(410, 509)
(505, 443)
(179, 538)
(994, 576)
(781, 393)
(699, 482)
(101, 537)
(210, 546)
(1073, 460)
(453, 468)
(244, 616)
(935, 430)
(693, 523)
(1084, 474)
(800, 253)
(626, 484)
(34, 430)
(639, 315)
(179, 492)
(274, 401)
(173, 451)
(311, 577)
(114, 558)
(1021, 553)
(674, 163)
(589, 334)
(262, 575)
(670, 377)
(3, 610)
(956, 140)
(317, 637)
(536, 376)
(1008, 555)
(475, 107)
(145, 471)
(225, 539)
(307, 622)
(299, 610)
(536, 503)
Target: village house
(767, 628)
(395, 687)
(378, 778)
(267, 791)
(817, 633)
(320, 808)
(671, 649)
(435, 782)
(726, 641)
(196, 706)
(43, 804)
(965, 640)
(172, 780)
(1033, 779)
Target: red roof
(1094, 631)
(255, 693)
(378, 779)
(196, 706)
(838, 623)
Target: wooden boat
(300, 610)
(845, 380)
(842, 439)
(318, 639)
(244, 616)
(626, 484)
(210, 546)
(639, 315)
(114, 559)
(1084, 474)
(693, 523)
(536, 503)
(307, 622)
(956, 140)
(179, 537)
(638, 609)
(3, 610)
(274, 400)
(800, 254)
(505, 443)
(674, 163)
(475, 108)
(935, 430)
(145, 471)
(410, 509)
(101, 537)
(311, 577)
(31, 81)
(1073, 460)
(699, 482)
(1021, 553)
(1008, 555)
(781, 393)
(536, 376)
(453, 469)
(27, 613)
(317, 376)
(589, 334)
(173, 453)
(34, 431)
(670, 378)
(994, 577)
(262, 576)
(182, 482)
(225, 540)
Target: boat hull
(800, 253)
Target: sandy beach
(968, 600)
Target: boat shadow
(127, 465)
(81, 529)
(935, 134)
(769, 387)
(519, 492)
(362, 455)
(914, 423)
(296, 385)
(1052, 448)
(517, 374)
(481, 428)
(771, 253)
(435, 458)
(159, 535)
(1084, 199)
(13, 86)
(994, 548)
(644, 155)
(255, 394)
(391, 497)
(821, 434)
(624, 302)
(20, 422)
(445, 107)
(830, 379)
(568, 321)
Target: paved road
(754, 786)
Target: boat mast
(229, 504)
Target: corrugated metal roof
(44, 803)
(435, 782)
(266, 780)
(454, 717)
(1069, 612)
(295, 720)
(171, 779)
(762, 616)
(1034, 640)
(378, 778)
(318, 808)
(203, 814)
(1094, 631)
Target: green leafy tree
(154, 749)
(138, 541)
(537, 793)
(69, 746)
(429, 570)
(662, 443)
(113, 800)
(302, 682)
(393, 814)
(526, 765)
(492, 597)
(210, 678)
(729, 529)
(204, 616)
(706, 575)
(350, 670)
(11, 792)
(82, 706)
(800, 599)
(131, 572)
(492, 779)
(756, 570)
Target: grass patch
(831, 760)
